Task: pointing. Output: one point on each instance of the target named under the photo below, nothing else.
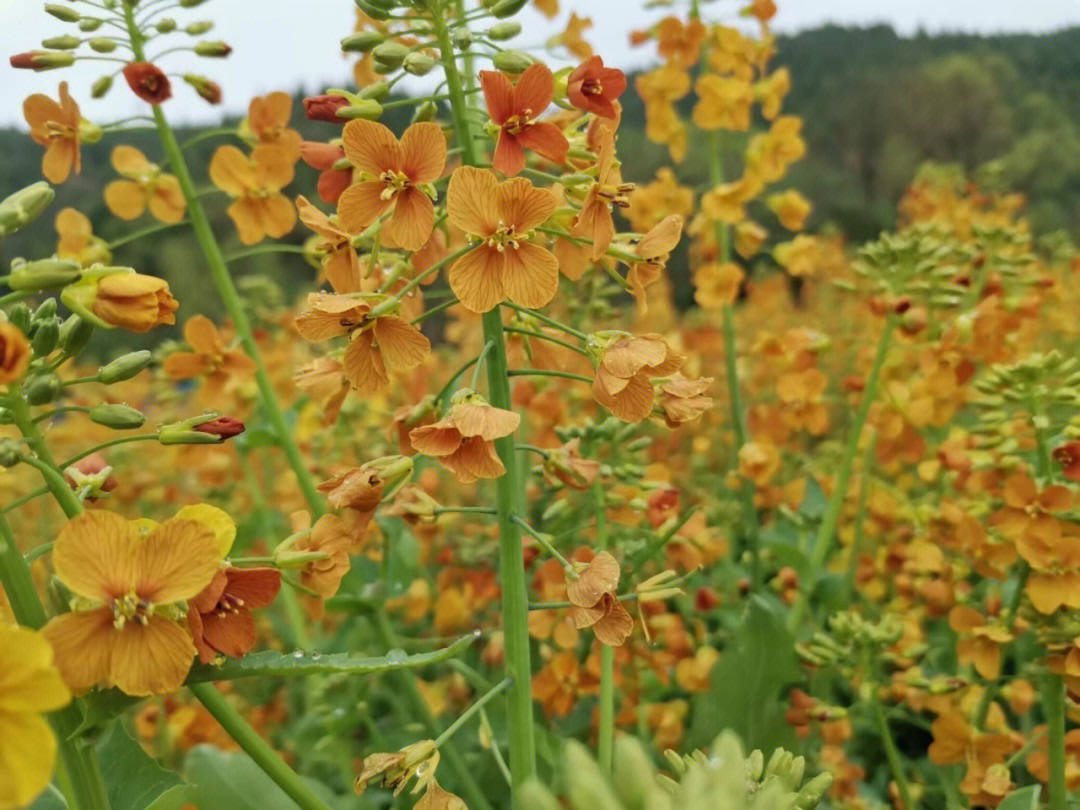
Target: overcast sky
(280, 44)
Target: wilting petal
(423, 149)
(498, 94)
(439, 439)
(600, 577)
(476, 458)
(626, 357)
(362, 364)
(371, 147)
(662, 239)
(94, 555)
(485, 421)
(82, 644)
(530, 275)
(361, 204)
(632, 404)
(523, 205)
(616, 625)
(401, 345)
(545, 139)
(470, 201)
(414, 216)
(476, 278)
(151, 659)
(176, 561)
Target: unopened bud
(190, 3)
(418, 64)
(389, 55)
(507, 8)
(165, 26)
(208, 90)
(118, 417)
(46, 336)
(362, 42)
(67, 42)
(214, 48)
(43, 274)
(42, 60)
(101, 87)
(378, 91)
(75, 333)
(198, 28)
(224, 427)
(125, 367)
(372, 10)
(88, 24)
(24, 206)
(10, 453)
(102, 45)
(65, 13)
(425, 111)
(512, 62)
(364, 108)
(19, 315)
(503, 31)
(462, 38)
(42, 389)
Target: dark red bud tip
(224, 426)
(148, 82)
(23, 61)
(324, 108)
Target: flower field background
(699, 437)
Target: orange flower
(505, 264)
(56, 126)
(268, 121)
(145, 185)
(393, 174)
(514, 109)
(980, 642)
(148, 82)
(340, 264)
(594, 220)
(595, 88)
(14, 352)
(375, 344)
(324, 381)
(559, 683)
(680, 42)
(652, 252)
(595, 603)
(324, 157)
(131, 580)
(723, 103)
(623, 376)
(77, 240)
(330, 536)
(210, 358)
(683, 400)
(259, 209)
(717, 285)
(220, 618)
(115, 298)
(464, 440)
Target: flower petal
(498, 94)
(82, 644)
(530, 275)
(151, 659)
(129, 161)
(371, 147)
(476, 278)
(231, 171)
(176, 561)
(534, 90)
(94, 555)
(361, 204)
(423, 149)
(523, 205)
(470, 200)
(410, 225)
(546, 140)
(402, 345)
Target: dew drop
(396, 655)
(298, 654)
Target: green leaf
(232, 781)
(101, 708)
(749, 682)
(298, 664)
(134, 780)
(1023, 799)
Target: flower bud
(207, 90)
(88, 24)
(425, 111)
(389, 55)
(225, 427)
(10, 453)
(503, 31)
(42, 389)
(185, 432)
(19, 317)
(63, 13)
(213, 48)
(46, 336)
(372, 10)
(118, 417)
(42, 60)
(165, 26)
(461, 38)
(364, 108)
(101, 87)
(43, 274)
(362, 42)
(24, 206)
(67, 42)
(191, 3)
(324, 108)
(102, 45)
(418, 64)
(119, 297)
(14, 352)
(199, 28)
(512, 62)
(124, 367)
(148, 82)
(378, 91)
(507, 8)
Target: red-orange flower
(505, 264)
(514, 108)
(220, 619)
(148, 82)
(323, 157)
(393, 173)
(595, 88)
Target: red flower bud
(224, 426)
(148, 82)
(324, 108)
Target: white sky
(280, 44)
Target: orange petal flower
(210, 357)
(268, 119)
(259, 209)
(464, 440)
(134, 301)
(14, 352)
(144, 185)
(514, 108)
(623, 378)
(55, 125)
(504, 265)
(595, 88)
(594, 220)
(130, 640)
(392, 173)
(220, 618)
(341, 266)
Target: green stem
(260, 250)
(542, 539)
(546, 319)
(541, 336)
(892, 755)
(606, 729)
(826, 535)
(148, 231)
(469, 712)
(1053, 703)
(256, 747)
(539, 372)
(142, 437)
(515, 603)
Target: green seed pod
(88, 24)
(75, 333)
(19, 315)
(24, 206)
(42, 389)
(124, 367)
(10, 453)
(425, 111)
(213, 48)
(418, 64)
(43, 274)
(512, 62)
(378, 91)
(507, 8)
(46, 336)
(364, 108)
(462, 38)
(199, 27)
(102, 45)
(67, 42)
(503, 31)
(64, 13)
(362, 41)
(118, 417)
(389, 54)
(165, 26)
(101, 87)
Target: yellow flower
(717, 284)
(77, 240)
(722, 103)
(259, 209)
(145, 185)
(29, 685)
(791, 208)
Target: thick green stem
(1053, 703)
(515, 603)
(606, 729)
(892, 755)
(256, 747)
(826, 535)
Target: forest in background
(875, 106)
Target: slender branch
(469, 712)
